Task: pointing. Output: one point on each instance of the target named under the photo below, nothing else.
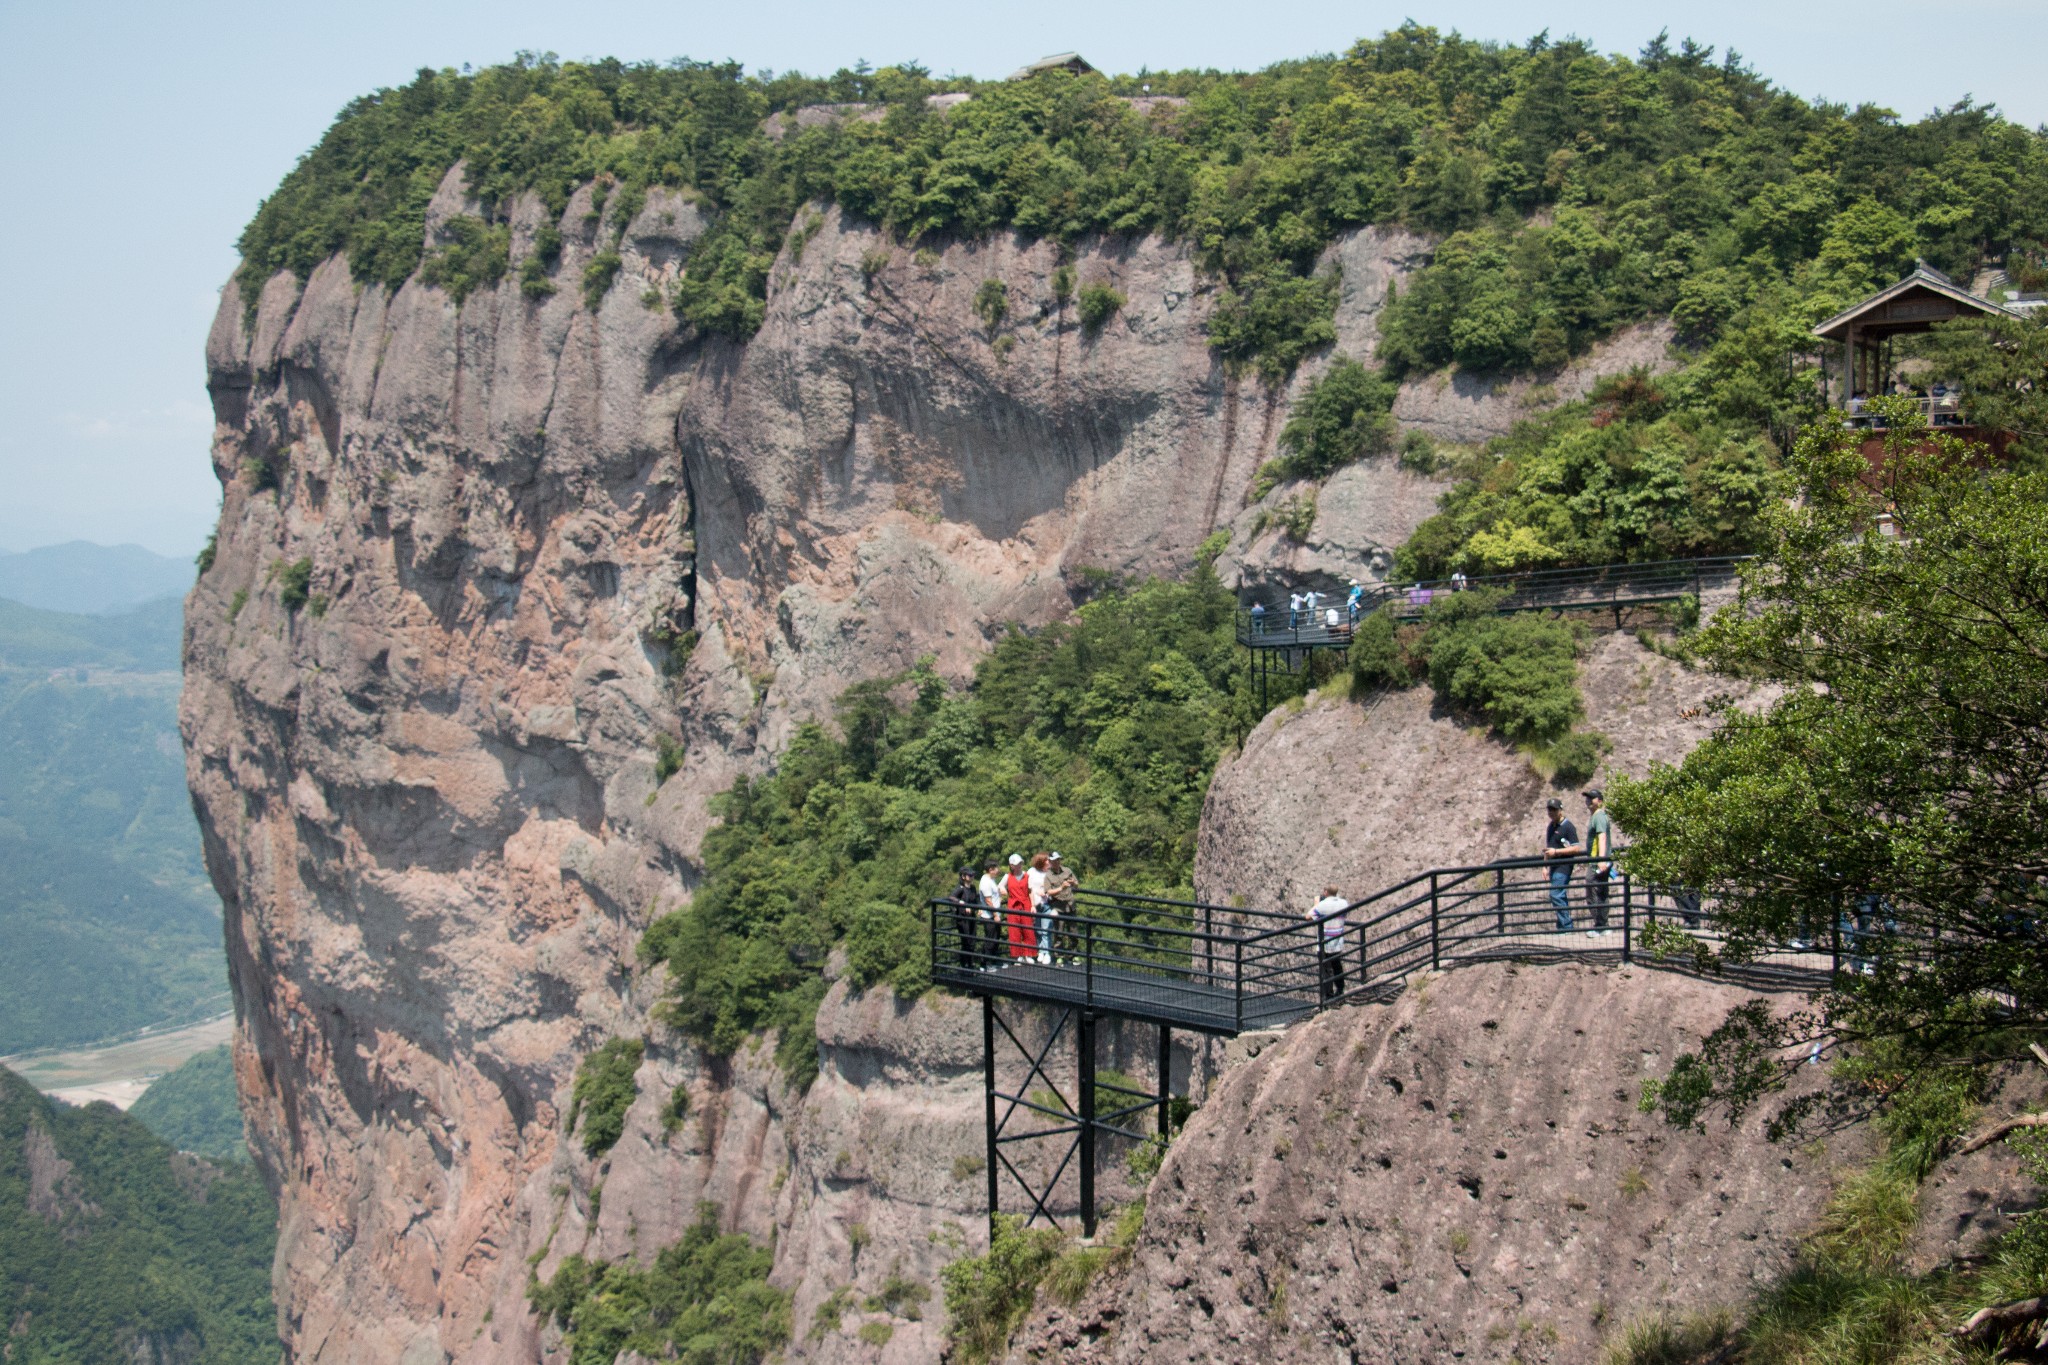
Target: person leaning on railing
(1560, 843)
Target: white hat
(1052, 857)
(1016, 859)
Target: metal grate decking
(1175, 1003)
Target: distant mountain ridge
(144, 638)
(79, 576)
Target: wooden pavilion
(1866, 330)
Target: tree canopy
(1906, 759)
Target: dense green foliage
(1907, 758)
(604, 1091)
(1518, 673)
(1642, 477)
(109, 920)
(195, 1108)
(138, 1254)
(1095, 738)
(1343, 416)
(704, 1301)
(987, 1296)
(1674, 182)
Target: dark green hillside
(194, 1108)
(109, 920)
(130, 1251)
(1574, 192)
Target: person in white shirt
(1294, 611)
(1036, 879)
(1329, 911)
(992, 913)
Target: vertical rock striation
(460, 547)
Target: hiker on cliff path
(1599, 846)
(1330, 942)
(1561, 842)
(1294, 611)
(1017, 900)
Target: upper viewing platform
(1599, 587)
(1870, 366)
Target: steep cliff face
(427, 671)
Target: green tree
(1907, 759)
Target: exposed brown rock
(1460, 1173)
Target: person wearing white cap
(1017, 901)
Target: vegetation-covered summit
(1664, 182)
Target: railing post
(1209, 941)
(1627, 918)
(1165, 1080)
(988, 1101)
(1434, 935)
(1500, 902)
(1088, 959)
(1239, 992)
(1084, 1041)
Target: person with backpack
(1599, 846)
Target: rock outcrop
(1365, 793)
(1460, 1174)
(444, 645)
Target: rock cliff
(444, 640)
(1460, 1174)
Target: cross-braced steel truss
(1074, 1126)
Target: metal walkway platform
(1185, 1003)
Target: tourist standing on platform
(1258, 618)
(1017, 900)
(1060, 886)
(1294, 611)
(1560, 842)
(1042, 916)
(967, 910)
(992, 912)
(1308, 602)
(1355, 602)
(1330, 942)
(1599, 846)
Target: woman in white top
(1036, 878)
(1329, 912)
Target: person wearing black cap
(1560, 844)
(1600, 847)
(967, 910)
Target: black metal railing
(1215, 969)
(1265, 625)
(1223, 970)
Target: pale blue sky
(136, 139)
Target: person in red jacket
(1017, 900)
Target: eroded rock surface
(426, 771)
(1365, 793)
(1459, 1174)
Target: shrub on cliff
(1342, 417)
(604, 1090)
(706, 1299)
